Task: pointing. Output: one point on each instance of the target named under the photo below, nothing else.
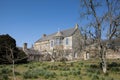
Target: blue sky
(27, 20)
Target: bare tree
(100, 17)
(10, 58)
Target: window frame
(67, 41)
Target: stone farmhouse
(65, 41)
(68, 44)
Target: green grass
(80, 70)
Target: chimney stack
(76, 26)
(24, 46)
(44, 35)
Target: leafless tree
(100, 17)
(10, 58)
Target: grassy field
(79, 70)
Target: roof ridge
(66, 33)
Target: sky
(27, 20)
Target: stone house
(67, 41)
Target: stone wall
(69, 45)
(42, 46)
(111, 54)
(76, 42)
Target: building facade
(66, 40)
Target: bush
(95, 77)
(64, 74)
(54, 67)
(6, 71)
(80, 77)
(17, 73)
(106, 74)
(86, 65)
(81, 64)
(115, 69)
(93, 66)
(38, 72)
(109, 78)
(75, 72)
(89, 74)
(79, 68)
(113, 64)
(5, 77)
(31, 67)
(49, 75)
(97, 72)
(102, 78)
(64, 68)
(1, 66)
(72, 64)
(30, 74)
(90, 70)
(25, 65)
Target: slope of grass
(79, 70)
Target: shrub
(44, 67)
(1, 66)
(73, 69)
(93, 66)
(75, 72)
(64, 74)
(113, 64)
(48, 66)
(90, 70)
(25, 65)
(98, 72)
(79, 68)
(49, 75)
(115, 69)
(38, 72)
(5, 77)
(31, 67)
(106, 74)
(71, 64)
(54, 67)
(6, 71)
(80, 77)
(17, 73)
(89, 74)
(109, 78)
(86, 65)
(102, 78)
(66, 68)
(30, 74)
(95, 77)
(81, 64)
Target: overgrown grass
(80, 70)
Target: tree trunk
(13, 63)
(103, 58)
(14, 71)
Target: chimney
(24, 46)
(76, 26)
(44, 35)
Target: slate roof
(65, 33)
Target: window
(51, 43)
(57, 41)
(67, 41)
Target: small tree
(9, 53)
